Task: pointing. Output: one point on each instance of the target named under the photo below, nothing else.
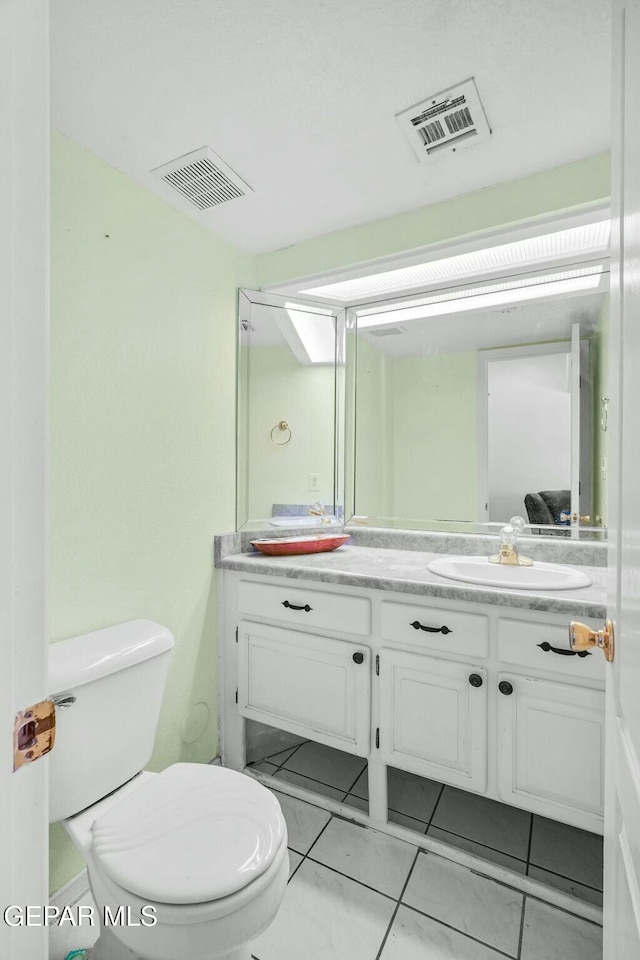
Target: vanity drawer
(299, 607)
(436, 628)
(519, 643)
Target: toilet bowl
(189, 863)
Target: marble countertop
(405, 571)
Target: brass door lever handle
(582, 637)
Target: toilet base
(108, 947)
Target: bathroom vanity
(367, 651)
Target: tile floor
(554, 853)
(357, 894)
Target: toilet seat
(191, 834)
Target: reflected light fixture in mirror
(486, 297)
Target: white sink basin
(541, 576)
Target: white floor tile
(472, 904)
(357, 802)
(64, 938)
(477, 849)
(282, 755)
(295, 859)
(264, 767)
(486, 821)
(411, 795)
(315, 786)
(304, 821)
(380, 861)
(418, 826)
(550, 934)
(568, 886)
(568, 851)
(333, 767)
(415, 937)
(325, 916)
(408, 794)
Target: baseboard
(75, 890)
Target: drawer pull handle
(505, 687)
(420, 626)
(358, 657)
(475, 680)
(292, 606)
(563, 653)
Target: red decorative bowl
(295, 546)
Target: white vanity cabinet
(551, 748)
(311, 685)
(484, 697)
(432, 718)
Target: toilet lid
(192, 833)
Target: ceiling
(537, 322)
(299, 97)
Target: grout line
(347, 876)
(318, 837)
(554, 873)
(521, 936)
(555, 906)
(397, 907)
(279, 766)
(530, 842)
(433, 812)
(461, 836)
(443, 923)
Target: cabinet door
(433, 719)
(310, 685)
(551, 749)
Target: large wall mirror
(469, 411)
(290, 410)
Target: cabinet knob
(358, 657)
(505, 687)
(475, 680)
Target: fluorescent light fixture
(483, 297)
(588, 240)
(310, 335)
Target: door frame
(485, 357)
(24, 295)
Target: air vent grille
(445, 121)
(203, 178)
(386, 332)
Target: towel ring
(284, 426)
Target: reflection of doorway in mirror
(529, 432)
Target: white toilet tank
(106, 736)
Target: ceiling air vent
(386, 331)
(203, 179)
(446, 121)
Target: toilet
(187, 864)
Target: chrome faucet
(508, 545)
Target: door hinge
(377, 738)
(34, 733)
(236, 634)
(377, 664)
(236, 696)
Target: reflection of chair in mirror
(547, 508)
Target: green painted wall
(281, 388)
(373, 451)
(434, 437)
(142, 473)
(416, 448)
(574, 185)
